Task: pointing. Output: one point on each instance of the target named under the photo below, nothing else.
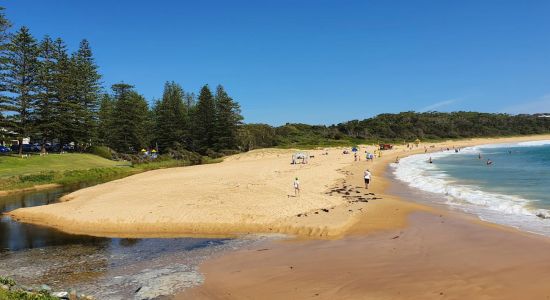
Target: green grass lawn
(70, 169)
(14, 166)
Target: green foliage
(47, 106)
(89, 176)
(38, 178)
(17, 294)
(171, 118)
(204, 120)
(84, 95)
(7, 281)
(15, 166)
(437, 125)
(102, 151)
(254, 136)
(129, 120)
(105, 115)
(181, 154)
(228, 118)
(23, 295)
(20, 81)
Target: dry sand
(249, 192)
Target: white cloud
(437, 105)
(541, 105)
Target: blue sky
(318, 62)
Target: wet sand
(397, 249)
(435, 257)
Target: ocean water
(514, 190)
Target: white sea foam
(506, 145)
(498, 208)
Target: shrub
(40, 177)
(229, 152)
(102, 151)
(213, 154)
(7, 281)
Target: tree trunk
(43, 146)
(20, 146)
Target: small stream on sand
(106, 268)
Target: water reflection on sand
(107, 268)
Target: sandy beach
(250, 192)
(246, 193)
(386, 248)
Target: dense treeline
(56, 98)
(437, 125)
(405, 126)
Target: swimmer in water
(430, 160)
(489, 162)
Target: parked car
(68, 147)
(26, 148)
(4, 149)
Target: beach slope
(250, 192)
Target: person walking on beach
(367, 177)
(296, 187)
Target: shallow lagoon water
(107, 268)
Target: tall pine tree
(21, 83)
(47, 120)
(228, 118)
(4, 41)
(129, 120)
(86, 80)
(64, 84)
(204, 121)
(171, 119)
(105, 119)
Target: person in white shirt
(296, 187)
(367, 177)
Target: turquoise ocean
(514, 190)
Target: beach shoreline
(420, 240)
(431, 240)
(247, 193)
(39, 187)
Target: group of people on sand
(366, 177)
